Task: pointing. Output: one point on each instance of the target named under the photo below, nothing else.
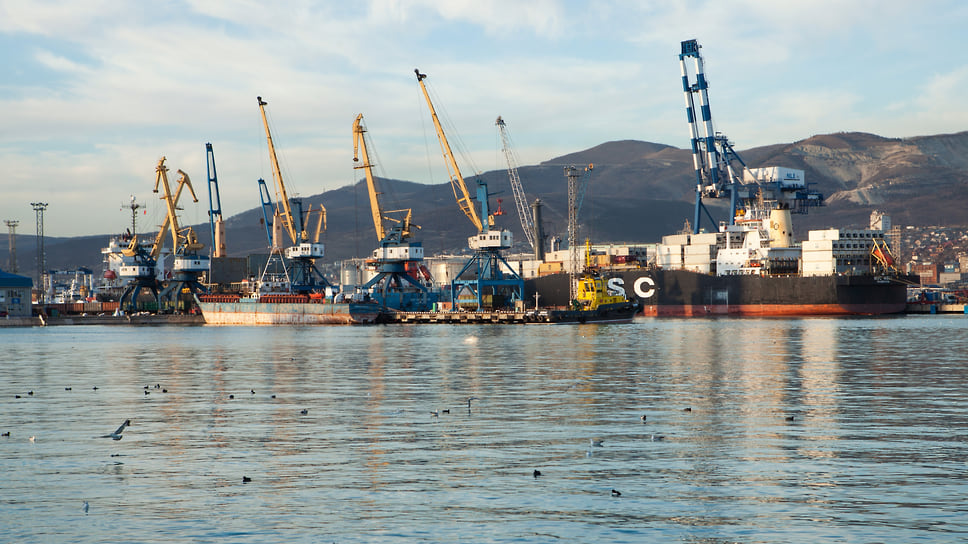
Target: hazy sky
(95, 92)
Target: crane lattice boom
(520, 199)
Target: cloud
(113, 86)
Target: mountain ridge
(637, 192)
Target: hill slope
(637, 192)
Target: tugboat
(593, 302)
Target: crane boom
(170, 222)
(359, 148)
(527, 221)
(456, 179)
(288, 220)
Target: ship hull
(607, 313)
(682, 293)
(283, 313)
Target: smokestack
(539, 236)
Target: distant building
(15, 295)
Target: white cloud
(134, 82)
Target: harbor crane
(139, 261)
(493, 283)
(520, 199)
(398, 259)
(188, 264)
(214, 206)
(294, 221)
(752, 192)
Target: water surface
(775, 430)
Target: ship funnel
(781, 228)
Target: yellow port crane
(303, 252)
(397, 284)
(188, 264)
(495, 283)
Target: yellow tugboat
(593, 302)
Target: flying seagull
(116, 435)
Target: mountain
(637, 191)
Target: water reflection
(787, 429)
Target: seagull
(86, 507)
(32, 438)
(434, 413)
(116, 435)
(595, 443)
(657, 437)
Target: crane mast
(456, 179)
(214, 206)
(527, 221)
(752, 192)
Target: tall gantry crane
(289, 214)
(398, 259)
(520, 199)
(493, 283)
(752, 192)
(214, 206)
(189, 264)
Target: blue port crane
(714, 158)
(490, 282)
(214, 206)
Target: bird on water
(616, 493)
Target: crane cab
(305, 249)
(491, 239)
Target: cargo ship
(753, 268)
(289, 309)
(750, 264)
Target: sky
(95, 92)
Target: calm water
(876, 450)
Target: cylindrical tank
(781, 228)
